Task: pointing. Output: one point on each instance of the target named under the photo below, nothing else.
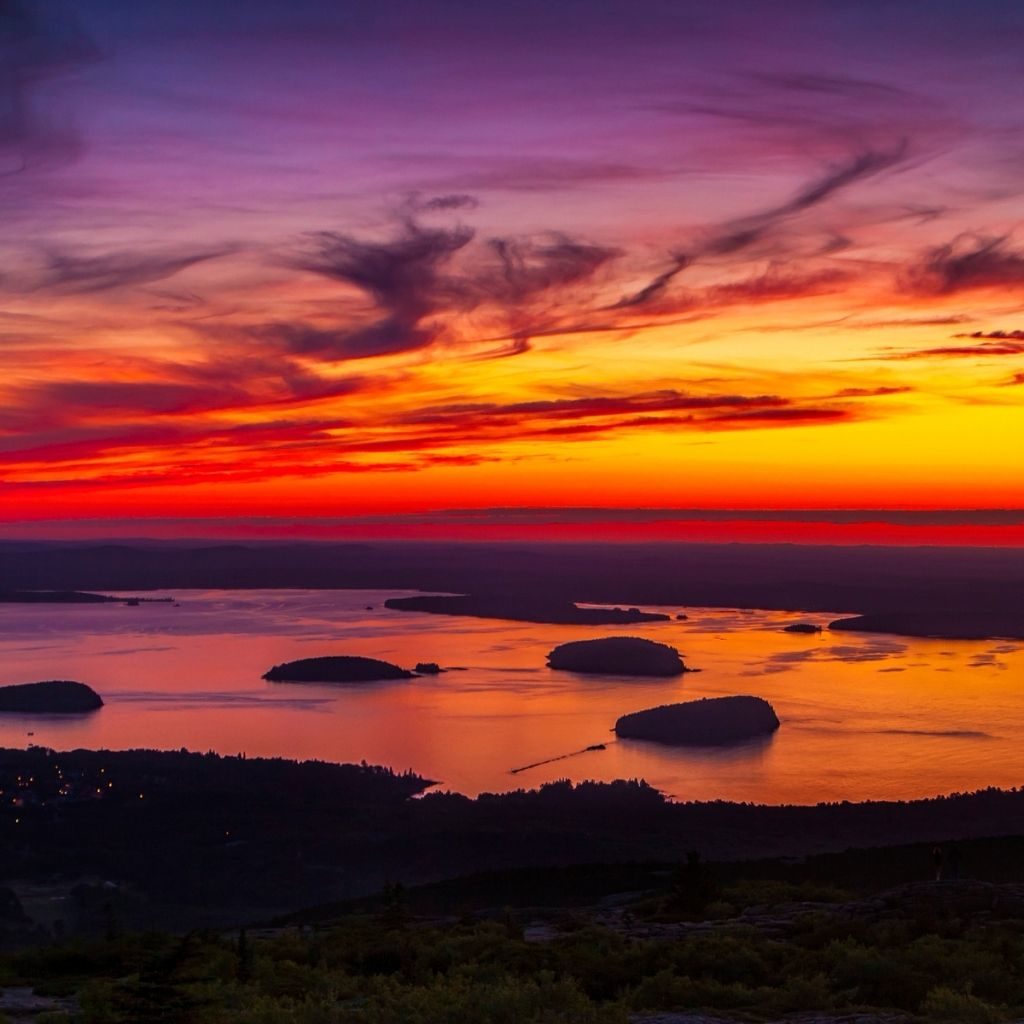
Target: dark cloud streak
(968, 262)
(63, 272)
(743, 233)
(402, 276)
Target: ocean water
(863, 717)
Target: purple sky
(248, 244)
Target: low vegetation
(747, 948)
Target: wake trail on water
(560, 757)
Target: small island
(618, 655)
(336, 669)
(52, 697)
(549, 611)
(713, 721)
(428, 668)
(801, 627)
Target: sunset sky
(310, 259)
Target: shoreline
(185, 837)
(947, 593)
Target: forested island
(341, 668)
(617, 655)
(711, 721)
(53, 696)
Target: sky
(309, 260)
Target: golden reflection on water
(862, 716)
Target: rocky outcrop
(336, 669)
(53, 697)
(618, 655)
(712, 721)
(428, 668)
(801, 627)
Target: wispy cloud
(735, 236)
(996, 343)
(78, 273)
(968, 262)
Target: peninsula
(956, 624)
(521, 608)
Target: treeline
(203, 838)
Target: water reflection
(862, 716)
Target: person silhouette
(937, 859)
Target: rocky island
(618, 655)
(555, 612)
(712, 721)
(801, 627)
(336, 669)
(53, 697)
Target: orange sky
(773, 281)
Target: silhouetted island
(517, 608)
(428, 668)
(53, 697)
(801, 627)
(337, 669)
(711, 721)
(618, 655)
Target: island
(712, 721)
(52, 697)
(519, 608)
(801, 627)
(618, 655)
(428, 668)
(335, 669)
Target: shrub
(946, 1004)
